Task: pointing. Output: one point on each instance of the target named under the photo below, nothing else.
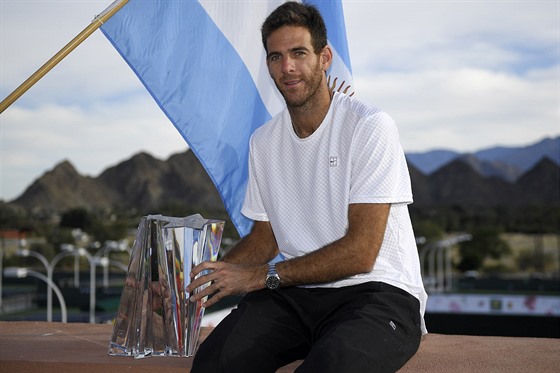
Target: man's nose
(288, 64)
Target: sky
(458, 75)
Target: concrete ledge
(55, 347)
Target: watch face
(273, 282)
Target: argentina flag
(204, 64)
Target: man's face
(293, 65)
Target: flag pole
(94, 25)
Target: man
(328, 189)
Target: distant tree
(112, 230)
(428, 229)
(46, 249)
(486, 242)
(539, 219)
(77, 218)
(535, 259)
(11, 218)
(58, 236)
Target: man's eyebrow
(291, 50)
(297, 49)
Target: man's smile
(292, 82)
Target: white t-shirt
(304, 187)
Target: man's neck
(307, 118)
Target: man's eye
(274, 58)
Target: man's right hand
(224, 279)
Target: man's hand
(225, 279)
(243, 268)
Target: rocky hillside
(146, 184)
(459, 183)
(143, 183)
(508, 163)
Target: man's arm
(242, 270)
(350, 255)
(257, 247)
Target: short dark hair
(296, 14)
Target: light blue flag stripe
(197, 79)
(333, 14)
(181, 55)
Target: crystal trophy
(155, 316)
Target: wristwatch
(272, 279)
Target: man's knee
(233, 349)
(226, 357)
(206, 359)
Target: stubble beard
(308, 96)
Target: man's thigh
(260, 335)
(379, 332)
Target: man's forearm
(330, 263)
(258, 247)
(248, 253)
(352, 254)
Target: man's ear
(326, 58)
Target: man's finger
(216, 296)
(199, 281)
(207, 291)
(203, 266)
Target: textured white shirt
(304, 187)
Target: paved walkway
(44, 347)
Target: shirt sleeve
(253, 206)
(379, 170)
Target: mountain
(459, 184)
(148, 184)
(541, 183)
(146, 181)
(63, 187)
(508, 163)
(431, 161)
(523, 157)
(492, 168)
(140, 182)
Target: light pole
(93, 262)
(105, 251)
(70, 248)
(24, 272)
(50, 273)
(42, 259)
(1, 271)
(92, 286)
(442, 280)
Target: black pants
(371, 327)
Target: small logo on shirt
(333, 161)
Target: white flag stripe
(245, 37)
(204, 64)
(340, 70)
